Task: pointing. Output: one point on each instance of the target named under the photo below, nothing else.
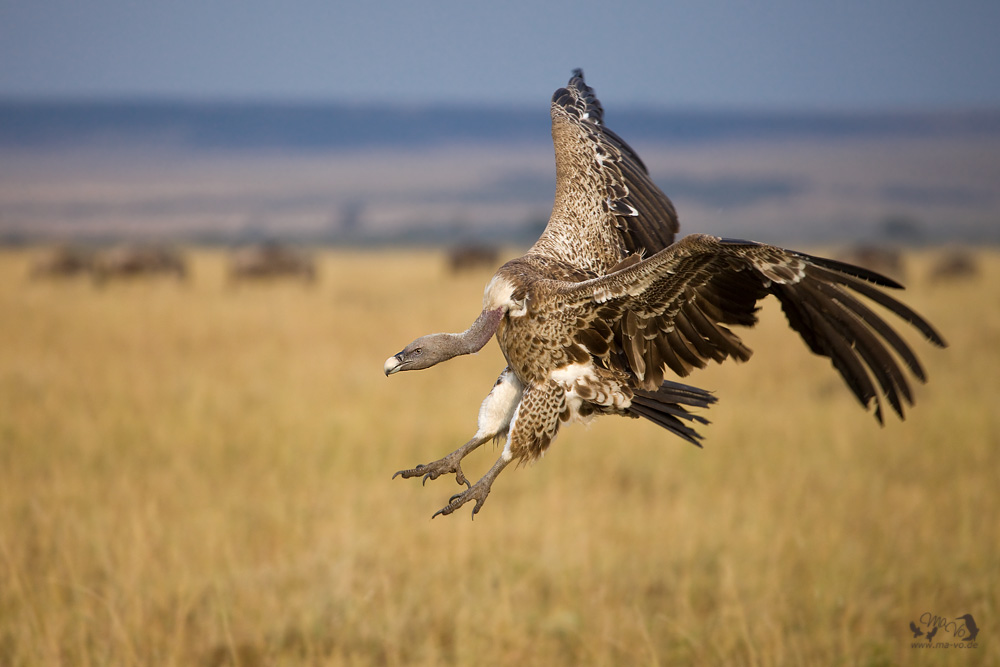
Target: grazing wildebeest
(130, 260)
(61, 261)
(468, 257)
(271, 260)
(882, 259)
(954, 264)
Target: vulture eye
(417, 352)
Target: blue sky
(851, 54)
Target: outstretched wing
(606, 207)
(672, 311)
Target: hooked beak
(392, 365)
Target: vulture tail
(665, 407)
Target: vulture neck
(476, 336)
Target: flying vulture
(607, 302)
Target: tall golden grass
(200, 475)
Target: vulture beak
(392, 365)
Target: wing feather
(866, 288)
(875, 355)
(606, 206)
(724, 342)
(672, 309)
(840, 353)
(679, 344)
(703, 347)
(669, 356)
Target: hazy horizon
(405, 174)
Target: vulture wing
(606, 207)
(672, 310)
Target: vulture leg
(477, 491)
(495, 414)
(447, 464)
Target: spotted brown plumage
(606, 303)
(606, 207)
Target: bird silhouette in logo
(916, 631)
(970, 623)
(930, 635)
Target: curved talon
(452, 463)
(478, 491)
(461, 499)
(434, 474)
(460, 477)
(434, 470)
(410, 472)
(447, 509)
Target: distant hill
(370, 174)
(319, 127)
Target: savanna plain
(200, 474)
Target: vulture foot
(447, 464)
(477, 491)
(443, 466)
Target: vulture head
(424, 352)
(432, 349)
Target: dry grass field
(192, 474)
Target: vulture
(607, 302)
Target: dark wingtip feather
(878, 413)
(578, 99)
(868, 275)
(826, 270)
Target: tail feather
(664, 407)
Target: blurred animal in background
(62, 261)
(133, 259)
(607, 302)
(271, 260)
(954, 264)
(470, 257)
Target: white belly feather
(498, 407)
(583, 384)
